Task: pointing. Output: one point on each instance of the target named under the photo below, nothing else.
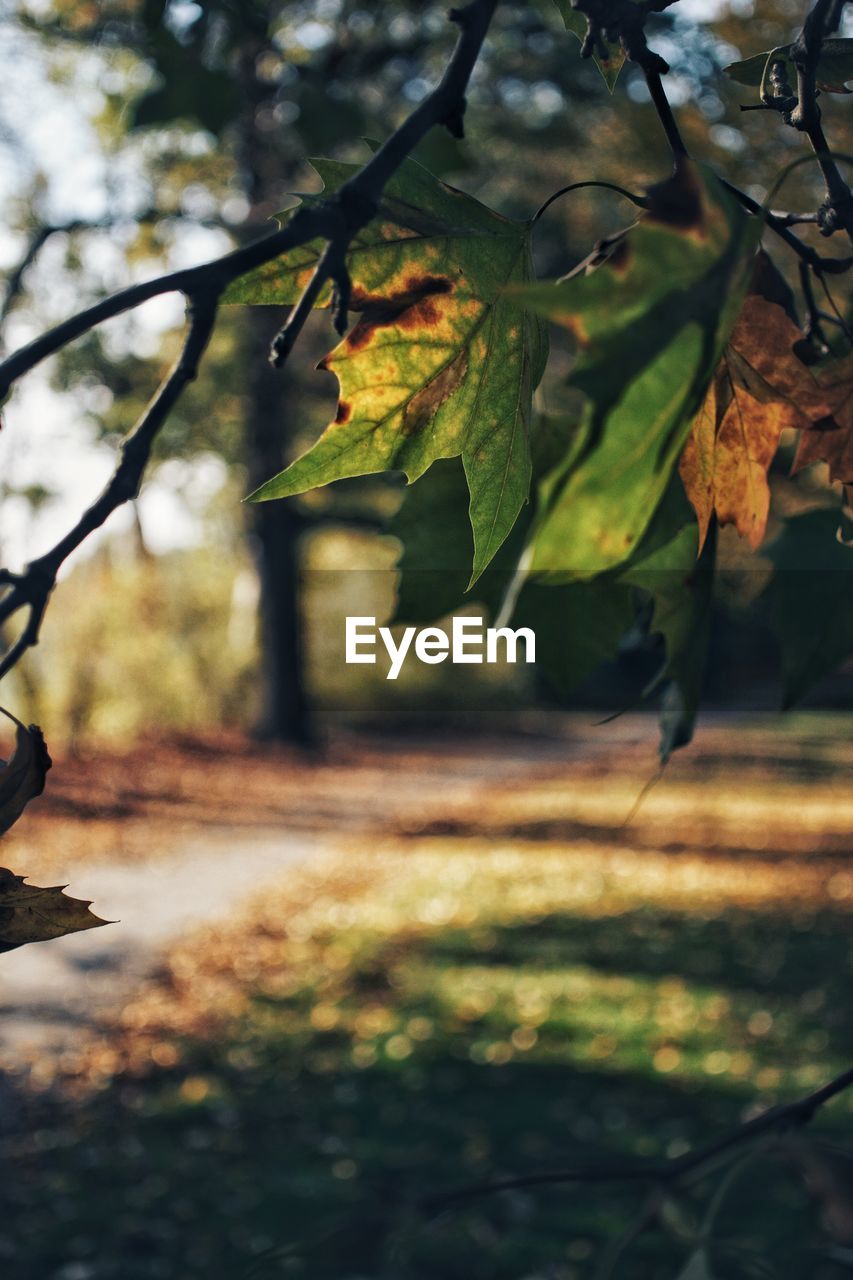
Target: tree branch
(683, 1170)
(31, 590)
(14, 285)
(336, 220)
(322, 220)
(837, 209)
(664, 110)
(359, 197)
(780, 224)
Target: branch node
(462, 17)
(454, 121)
(357, 207)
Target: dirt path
(202, 867)
(166, 845)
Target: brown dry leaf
(833, 446)
(31, 914)
(22, 778)
(761, 387)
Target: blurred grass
(460, 996)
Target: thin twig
(684, 1169)
(15, 280)
(837, 316)
(609, 1260)
(778, 223)
(640, 201)
(31, 590)
(320, 220)
(813, 327)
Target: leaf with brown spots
(441, 363)
(761, 388)
(31, 914)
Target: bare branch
(14, 284)
(31, 590)
(682, 1170)
(336, 219)
(822, 21)
(321, 220)
(780, 223)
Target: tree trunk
(275, 529)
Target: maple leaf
(761, 388)
(650, 322)
(31, 914)
(441, 363)
(833, 443)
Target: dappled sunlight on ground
(489, 974)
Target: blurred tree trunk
(274, 527)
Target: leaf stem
(640, 201)
(664, 110)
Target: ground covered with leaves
(486, 980)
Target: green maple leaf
(437, 549)
(441, 363)
(651, 322)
